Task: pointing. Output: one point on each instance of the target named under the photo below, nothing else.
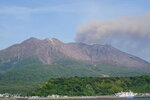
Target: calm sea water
(106, 99)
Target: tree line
(91, 86)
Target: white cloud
(65, 8)
(25, 12)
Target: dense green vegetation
(22, 76)
(87, 86)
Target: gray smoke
(130, 34)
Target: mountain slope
(49, 51)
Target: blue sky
(21, 19)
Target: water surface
(103, 99)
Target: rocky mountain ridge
(50, 50)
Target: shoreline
(73, 97)
(87, 97)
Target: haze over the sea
(123, 24)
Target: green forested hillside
(87, 86)
(27, 74)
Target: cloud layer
(131, 34)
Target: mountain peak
(51, 49)
(53, 40)
(31, 39)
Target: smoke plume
(130, 34)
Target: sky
(124, 24)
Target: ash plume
(131, 34)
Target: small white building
(53, 96)
(1, 95)
(125, 94)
